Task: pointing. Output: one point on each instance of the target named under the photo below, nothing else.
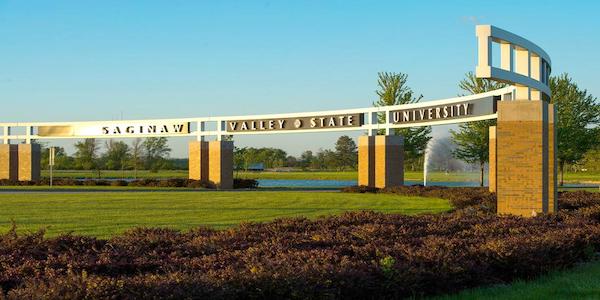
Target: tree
(578, 113)
(393, 91)
(156, 151)
(473, 138)
(306, 159)
(136, 157)
(62, 161)
(86, 155)
(117, 155)
(346, 152)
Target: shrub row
(359, 255)
(174, 183)
(459, 197)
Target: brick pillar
(389, 161)
(492, 160)
(522, 157)
(552, 167)
(366, 160)
(9, 163)
(220, 164)
(198, 160)
(29, 157)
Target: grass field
(322, 175)
(106, 214)
(581, 282)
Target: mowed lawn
(103, 214)
(581, 282)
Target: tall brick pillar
(9, 163)
(366, 160)
(198, 160)
(381, 161)
(552, 162)
(492, 160)
(522, 143)
(220, 164)
(29, 158)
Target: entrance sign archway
(522, 154)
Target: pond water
(317, 183)
(345, 183)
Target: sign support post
(52, 152)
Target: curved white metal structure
(522, 63)
(370, 115)
(528, 72)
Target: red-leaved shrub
(358, 255)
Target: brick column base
(523, 160)
(9, 162)
(212, 162)
(198, 160)
(381, 161)
(29, 157)
(492, 160)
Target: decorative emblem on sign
(302, 123)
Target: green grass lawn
(106, 214)
(322, 175)
(581, 282)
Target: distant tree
(136, 157)
(473, 138)
(117, 155)
(156, 151)
(86, 155)
(394, 91)
(578, 116)
(346, 152)
(324, 160)
(62, 161)
(306, 159)
(239, 161)
(291, 161)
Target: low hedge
(172, 183)
(358, 255)
(459, 197)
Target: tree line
(148, 154)
(343, 157)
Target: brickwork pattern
(198, 160)
(552, 163)
(29, 161)
(522, 157)
(220, 164)
(389, 161)
(366, 160)
(8, 162)
(492, 160)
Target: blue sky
(98, 60)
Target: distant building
(256, 167)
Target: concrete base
(29, 158)
(9, 163)
(522, 159)
(381, 161)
